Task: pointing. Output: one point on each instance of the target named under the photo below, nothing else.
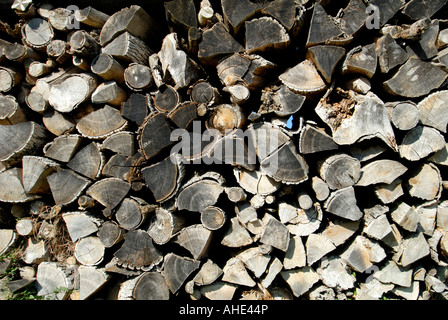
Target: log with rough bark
(133, 20)
(38, 33)
(138, 251)
(10, 111)
(84, 45)
(151, 286)
(109, 191)
(128, 48)
(132, 212)
(177, 269)
(66, 186)
(416, 78)
(303, 78)
(59, 51)
(105, 66)
(136, 108)
(21, 139)
(92, 126)
(91, 17)
(216, 43)
(110, 234)
(10, 77)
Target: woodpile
(233, 149)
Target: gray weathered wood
(34, 173)
(300, 280)
(326, 58)
(323, 29)
(415, 78)
(353, 117)
(275, 233)
(138, 77)
(109, 191)
(405, 115)
(340, 171)
(105, 66)
(317, 246)
(109, 92)
(62, 148)
(390, 54)
(91, 280)
(151, 286)
(88, 161)
(381, 171)
(91, 17)
(138, 251)
(132, 213)
(343, 203)
(176, 64)
(37, 33)
(134, 20)
(92, 126)
(24, 138)
(213, 218)
(196, 239)
(420, 142)
(433, 109)
(216, 43)
(303, 78)
(49, 277)
(265, 34)
(128, 48)
(313, 140)
(72, 91)
(177, 269)
(425, 182)
(361, 60)
(66, 186)
(164, 225)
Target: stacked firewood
(233, 149)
